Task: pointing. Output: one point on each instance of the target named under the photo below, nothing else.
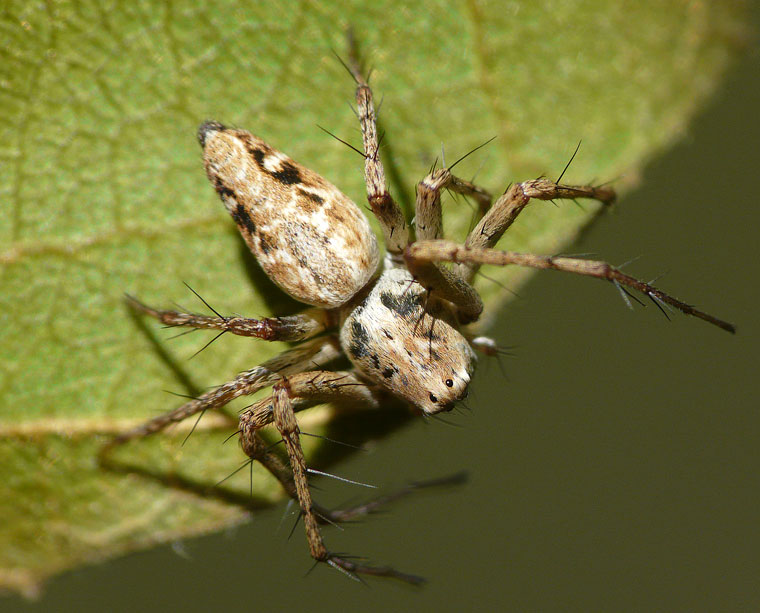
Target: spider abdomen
(308, 236)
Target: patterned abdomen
(308, 236)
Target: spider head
(409, 344)
(446, 378)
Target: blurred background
(613, 457)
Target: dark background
(614, 467)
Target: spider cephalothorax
(401, 339)
(403, 328)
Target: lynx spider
(404, 329)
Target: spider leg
(449, 251)
(428, 210)
(309, 388)
(455, 285)
(429, 225)
(292, 328)
(291, 394)
(485, 345)
(507, 207)
(298, 359)
(366, 508)
(384, 207)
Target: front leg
(428, 213)
(429, 225)
(455, 285)
(288, 396)
(507, 208)
(449, 251)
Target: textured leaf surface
(103, 192)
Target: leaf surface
(103, 192)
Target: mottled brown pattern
(404, 331)
(285, 212)
(392, 332)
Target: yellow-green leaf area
(103, 192)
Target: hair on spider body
(409, 344)
(403, 327)
(306, 234)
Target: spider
(402, 325)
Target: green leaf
(103, 192)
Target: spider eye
(449, 383)
(433, 397)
